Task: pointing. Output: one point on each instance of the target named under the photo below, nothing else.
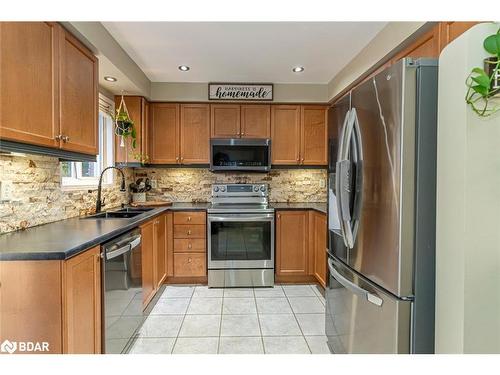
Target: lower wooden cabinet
(82, 303)
(53, 302)
(156, 236)
(301, 246)
(318, 246)
(189, 255)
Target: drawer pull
(189, 218)
(190, 260)
(189, 232)
(190, 245)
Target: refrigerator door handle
(370, 297)
(339, 180)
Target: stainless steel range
(240, 236)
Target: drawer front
(190, 264)
(190, 218)
(195, 245)
(189, 231)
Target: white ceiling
(242, 51)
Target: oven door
(240, 241)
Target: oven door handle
(238, 217)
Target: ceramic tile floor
(286, 319)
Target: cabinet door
(136, 110)
(28, 84)
(319, 225)
(225, 121)
(314, 135)
(449, 31)
(161, 249)
(285, 134)
(195, 134)
(255, 121)
(148, 266)
(291, 243)
(164, 133)
(82, 303)
(78, 98)
(145, 129)
(425, 46)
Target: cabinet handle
(190, 245)
(58, 137)
(190, 260)
(189, 218)
(65, 138)
(182, 159)
(238, 134)
(302, 160)
(189, 232)
(242, 134)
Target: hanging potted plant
(484, 84)
(124, 128)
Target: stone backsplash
(36, 194)
(193, 185)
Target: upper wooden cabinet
(78, 82)
(314, 135)
(138, 109)
(449, 31)
(179, 133)
(164, 133)
(256, 121)
(29, 94)
(240, 121)
(194, 134)
(54, 104)
(225, 120)
(299, 135)
(292, 243)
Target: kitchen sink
(124, 213)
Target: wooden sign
(240, 91)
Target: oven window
(242, 156)
(241, 240)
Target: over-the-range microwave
(240, 154)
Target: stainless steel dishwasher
(122, 291)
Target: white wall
(468, 208)
(384, 42)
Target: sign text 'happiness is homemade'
(240, 91)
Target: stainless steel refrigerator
(381, 213)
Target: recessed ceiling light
(298, 69)
(110, 79)
(184, 68)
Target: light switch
(322, 183)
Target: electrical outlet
(322, 183)
(5, 191)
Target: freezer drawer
(363, 319)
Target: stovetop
(239, 208)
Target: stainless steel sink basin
(124, 213)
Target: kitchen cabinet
(138, 109)
(225, 120)
(164, 133)
(55, 102)
(29, 106)
(82, 303)
(299, 135)
(179, 133)
(155, 239)
(317, 235)
(292, 243)
(449, 31)
(194, 134)
(285, 134)
(78, 98)
(240, 121)
(189, 253)
(53, 301)
(314, 135)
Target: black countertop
(66, 238)
(317, 206)
(63, 239)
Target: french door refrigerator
(381, 213)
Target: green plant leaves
(480, 89)
(492, 44)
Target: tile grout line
(258, 322)
(297, 321)
(220, 325)
(183, 318)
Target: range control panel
(240, 190)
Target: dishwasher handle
(135, 241)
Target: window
(86, 174)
